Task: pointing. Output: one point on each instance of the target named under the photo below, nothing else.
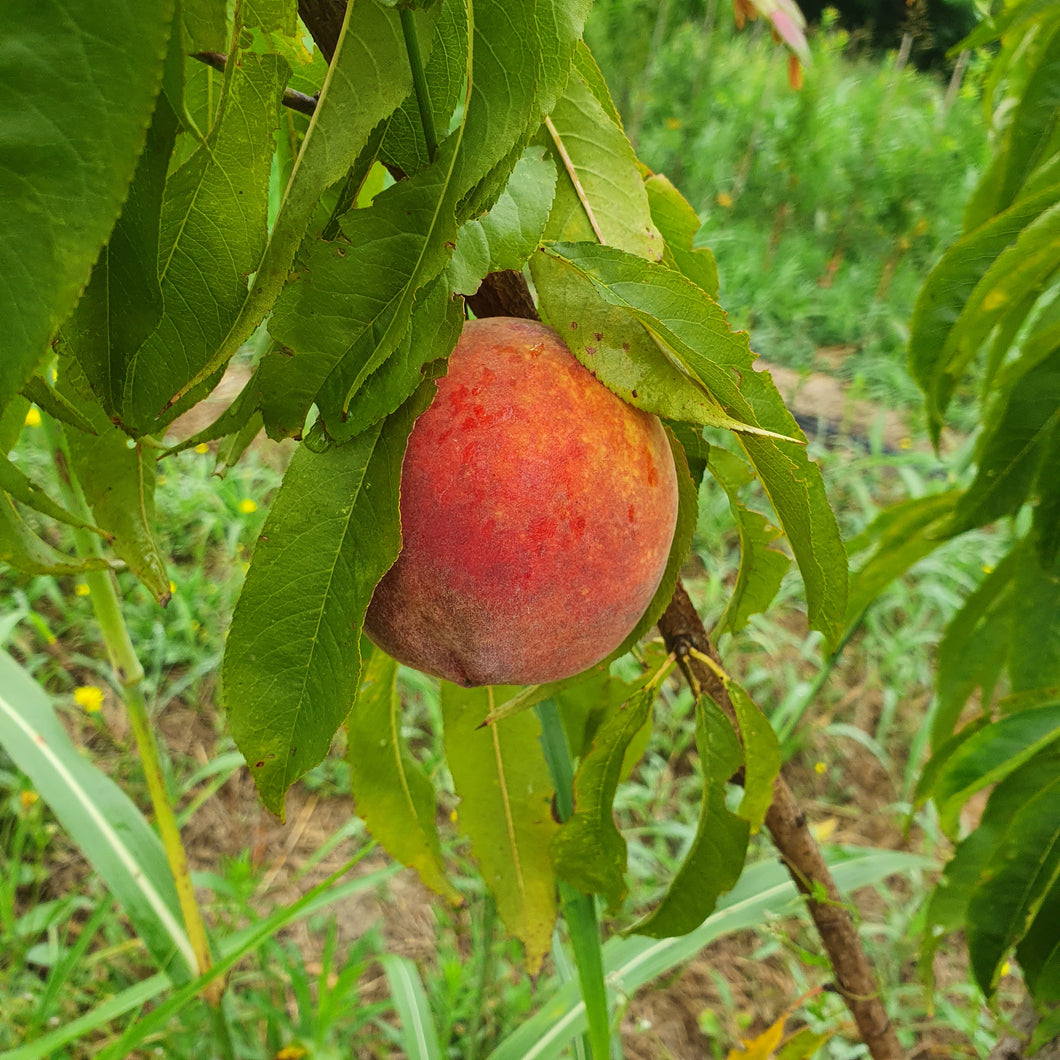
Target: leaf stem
(103, 592)
(579, 910)
(419, 80)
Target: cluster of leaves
(993, 301)
(446, 142)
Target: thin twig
(298, 101)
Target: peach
(537, 512)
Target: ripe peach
(537, 511)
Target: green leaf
(393, 794)
(52, 402)
(1039, 950)
(695, 333)
(761, 751)
(1026, 866)
(122, 304)
(904, 534)
(1014, 444)
(75, 103)
(600, 194)
(765, 890)
(117, 477)
(292, 660)
(505, 809)
(14, 481)
(762, 567)
(419, 1037)
(99, 816)
(588, 702)
(12, 420)
(586, 65)
(368, 76)
(715, 860)
(991, 755)
(213, 233)
(589, 852)
(974, 646)
(679, 223)
(506, 236)
(948, 290)
(1034, 653)
(22, 549)
(205, 25)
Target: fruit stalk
(129, 671)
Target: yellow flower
(202, 447)
(172, 586)
(672, 124)
(89, 697)
(247, 506)
(988, 568)
(906, 443)
(82, 589)
(28, 798)
(33, 417)
(819, 767)
(724, 199)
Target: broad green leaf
(903, 535)
(694, 331)
(122, 304)
(1038, 952)
(991, 755)
(393, 794)
(15, 482)
(271, 16)
(292, 660)
(560, 24)
(22, 549)
(715, 860)
(974, 646)
(506, 236)
(761, 751)
(12, 420)
(765, 890)
(1046, 526)
(1014, 444)
(762, 567)
(1026, 866)
(419, 1036)
(213, 233)
(620, 352)
(586, 65)
(205, 25)
(948, 289)
(587, 704)
(52, 402)
(1034, 654)
(99, 817)
(929, 775)
(678, 224)
(948, 908)
(505, 809)
(589, 852)
(117, 477)
(600, 194)
(368, 77)
(75, 103)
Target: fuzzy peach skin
(537, 512)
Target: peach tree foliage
(992, 305)
(183, 212)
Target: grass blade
(420, 1038)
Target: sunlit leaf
(505, 809)
(678, 223)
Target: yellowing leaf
(762, 1047)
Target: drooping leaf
(393, 794)
(589, 852)
(506, 236)
(292, 660)
(1014, 445)
(762, 567)
(98, 816)
(600, 194)
(678, 223)
(212, 236)
(23, 550)
(15, 482)
(694, 331)
(715, 860)
(505, 809)
(117, 477)
(52, 402)
(70, 140)
(990, 755)
(761, 751)
(1034, 654)
(1038, 952)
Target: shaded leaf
(15, 482)
(695, 333)
(1034, 654)
(715, 860)
(589, 852)
(393, 793)
(762, 567)
(505, 809)
(22, 549)
(761, 751)
(70, 140)
(98, 816)
(292, 660)
(1039, 950)
(52, 402)
(679, 223)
